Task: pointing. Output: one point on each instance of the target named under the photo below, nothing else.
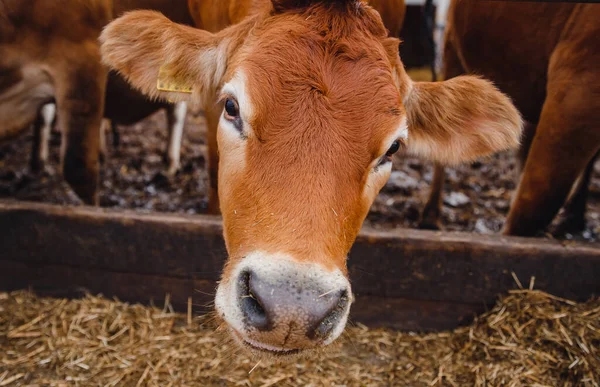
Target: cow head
(315, 103)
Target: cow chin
(280, 308)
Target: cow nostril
(288, 306)
(250, 303)
(332, 319)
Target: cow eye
(387, 158)
(393, 149)
(232, 110)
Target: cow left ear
(459, 120)
(169, 61)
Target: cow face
(315, 103)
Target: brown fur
(549, 67)
(214, 15)
(49, 52)
(175, 10)
(392, 14)
(52, 47)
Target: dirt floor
(476, 196)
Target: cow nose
(290, 303)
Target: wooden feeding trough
(407, 279)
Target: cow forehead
(302, 78)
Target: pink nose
(290, 303)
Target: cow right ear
(166, 60)
(459, 120)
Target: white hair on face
(379, 174)
(232, 147)
(236, 87)
(402, 132)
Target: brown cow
(49, 51)
(315, 102)
(545, 56)
(124, 105)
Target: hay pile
(529, 338)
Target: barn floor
(476, 196)
(528, 339)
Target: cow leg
(41, 136)
(176, 121)
(22, 92)
(212, 122)
(573, 218)
(80, 85)
(560, 151)
(430, 219)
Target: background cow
(545, 56)
(49, 52)
(124, 105)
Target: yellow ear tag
(167, 82)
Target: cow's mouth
(273, 352)
(265, 349)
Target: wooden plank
(403, 264)
(64, 281)
(470, 268)
(176, 246)
(412, 315)
(72, 282)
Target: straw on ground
(529, 338)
